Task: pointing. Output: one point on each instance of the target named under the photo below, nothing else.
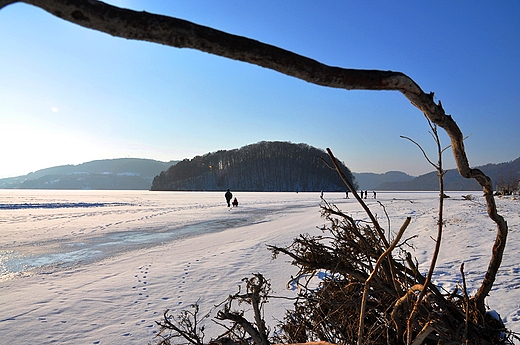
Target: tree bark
(184, 34)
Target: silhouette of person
(235, 202)
(228, 196)
(346, 194)
(374, 194)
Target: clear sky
(70, 95)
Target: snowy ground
(98, 267)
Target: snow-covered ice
(100, 267)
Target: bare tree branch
(256, 295)
(440, 223)
(373, 274)
(420, 148)
(466, 302)
(358, 198)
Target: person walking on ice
(228, 196)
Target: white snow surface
(101, 267)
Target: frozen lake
(100, 267)
(45, 230)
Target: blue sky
(69, 94)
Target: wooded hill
(504, 175)
(372, 181)
(121, 173)
(264, 166)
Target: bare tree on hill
(183, 34)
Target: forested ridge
(264, 166)
(104, 174)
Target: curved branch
(184, 34)
(422, 150)
(226, 314)
(180, 33)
